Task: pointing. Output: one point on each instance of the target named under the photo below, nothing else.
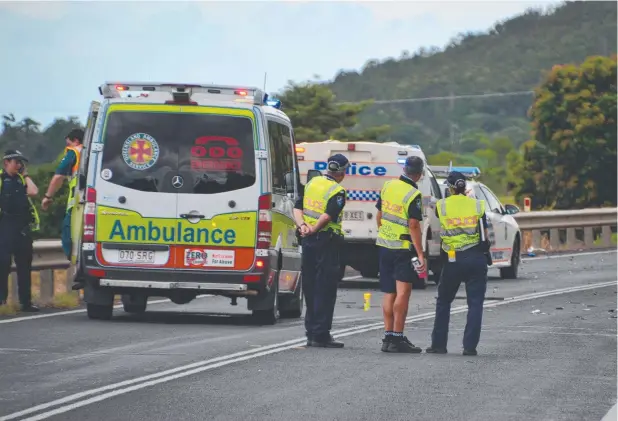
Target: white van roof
(198, 94)
(402, 150)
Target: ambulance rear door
(136, 162)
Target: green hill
(510, 57)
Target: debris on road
(537, 311)
(559, 308)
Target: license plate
(136, 256)
(353, 216)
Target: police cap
(456, 179)
(14, 154)
(338, 163)
(414, 165)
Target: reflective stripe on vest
(317, 194)
(459, 222)
(35, 224)
(396, 196)
(73, 178)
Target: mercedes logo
(177, 181)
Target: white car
(504, 233)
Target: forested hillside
(511, 57)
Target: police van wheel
(99, 312)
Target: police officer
(465, 260)
(67, 168)
(399, 221)
(18, 218)
(318, 217)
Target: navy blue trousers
(320, 269)
(470, 268)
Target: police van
(504, 233)
(371, 164)
(187, 189)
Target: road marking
(81, 310)
(78, 400)
(349, 278)
(612, 414)
(559, 256)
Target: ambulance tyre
(291, 306)
(99, 312)
(134, 304)
(269, 315)
(512, 271)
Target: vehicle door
(77, 214)
(219, 191)
(433, 220)
(502, 240)
(137, 159)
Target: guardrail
(569, 229)
(549, 230)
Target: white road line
(81, 310)
(349, 278)
(612, 414)
(560, 256)
(77, 400)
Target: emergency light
(275, 103)
(468, 171)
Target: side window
(478, 194)
(281, 154)
(435, 188)
(492, 201)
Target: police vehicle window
(140, 150)
(492, 201)
(281, 154)
(216, 152)
(436, 192)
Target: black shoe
(385, 342)
(432, 350)
(470, 352)
(328, 343)
(403, 345)
(29, 308)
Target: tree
(572, 161)
(316, 117)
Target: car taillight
(90, 215)
(264, 223)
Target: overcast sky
(55, 54)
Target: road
(206, 360)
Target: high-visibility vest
(396, 196)
(317, 194)
(35, 223)
(459, 222)
(73, 177)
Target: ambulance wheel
(512, 271)
(269, 316)
(99, 312)
(291, 306)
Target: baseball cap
(415, 164)
(14, 154)
(341, 161)
(456, 179)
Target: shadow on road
(191, 318)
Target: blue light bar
(468, 171)
(275, 103)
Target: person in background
(465, 260)
(18, 219)
(399, 221)
(318, 214)
(68, 168)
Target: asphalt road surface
(547, 352)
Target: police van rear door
(133, 186)
(219, 193)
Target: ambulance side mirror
(288, 179)
(313, 173)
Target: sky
(56, 54)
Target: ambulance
(504, 233)
(371, 164)
(184, 190)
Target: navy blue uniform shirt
(14, 200)
(333, 207)
(415, 210)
